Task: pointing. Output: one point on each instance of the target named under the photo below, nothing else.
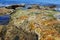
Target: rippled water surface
(41, 2)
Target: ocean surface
(40, 2)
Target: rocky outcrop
(15, 6)
(34, 6)
(12, 33)
(31, 24)
(4, 11)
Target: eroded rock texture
(32, 24)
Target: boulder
(15, 6)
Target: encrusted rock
(4, 11)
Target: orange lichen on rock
(47, 32)
(32, 26)
(50, 22)
(23, 17)
(49, 37)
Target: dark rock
(52, 6)
(33, 6)
(16, 38)
(15, 6)
(29, 7)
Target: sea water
(41, 2)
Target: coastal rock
(4, 11)
(15, 6)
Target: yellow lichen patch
(47, 32)
(57, 38)
(23, 17)
(33, 10)
(18, 21)
(32, 26)
(38, 31)
(1, 26)
(49, 37)
(49, 22)
(45, 22)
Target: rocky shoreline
(33, 23)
